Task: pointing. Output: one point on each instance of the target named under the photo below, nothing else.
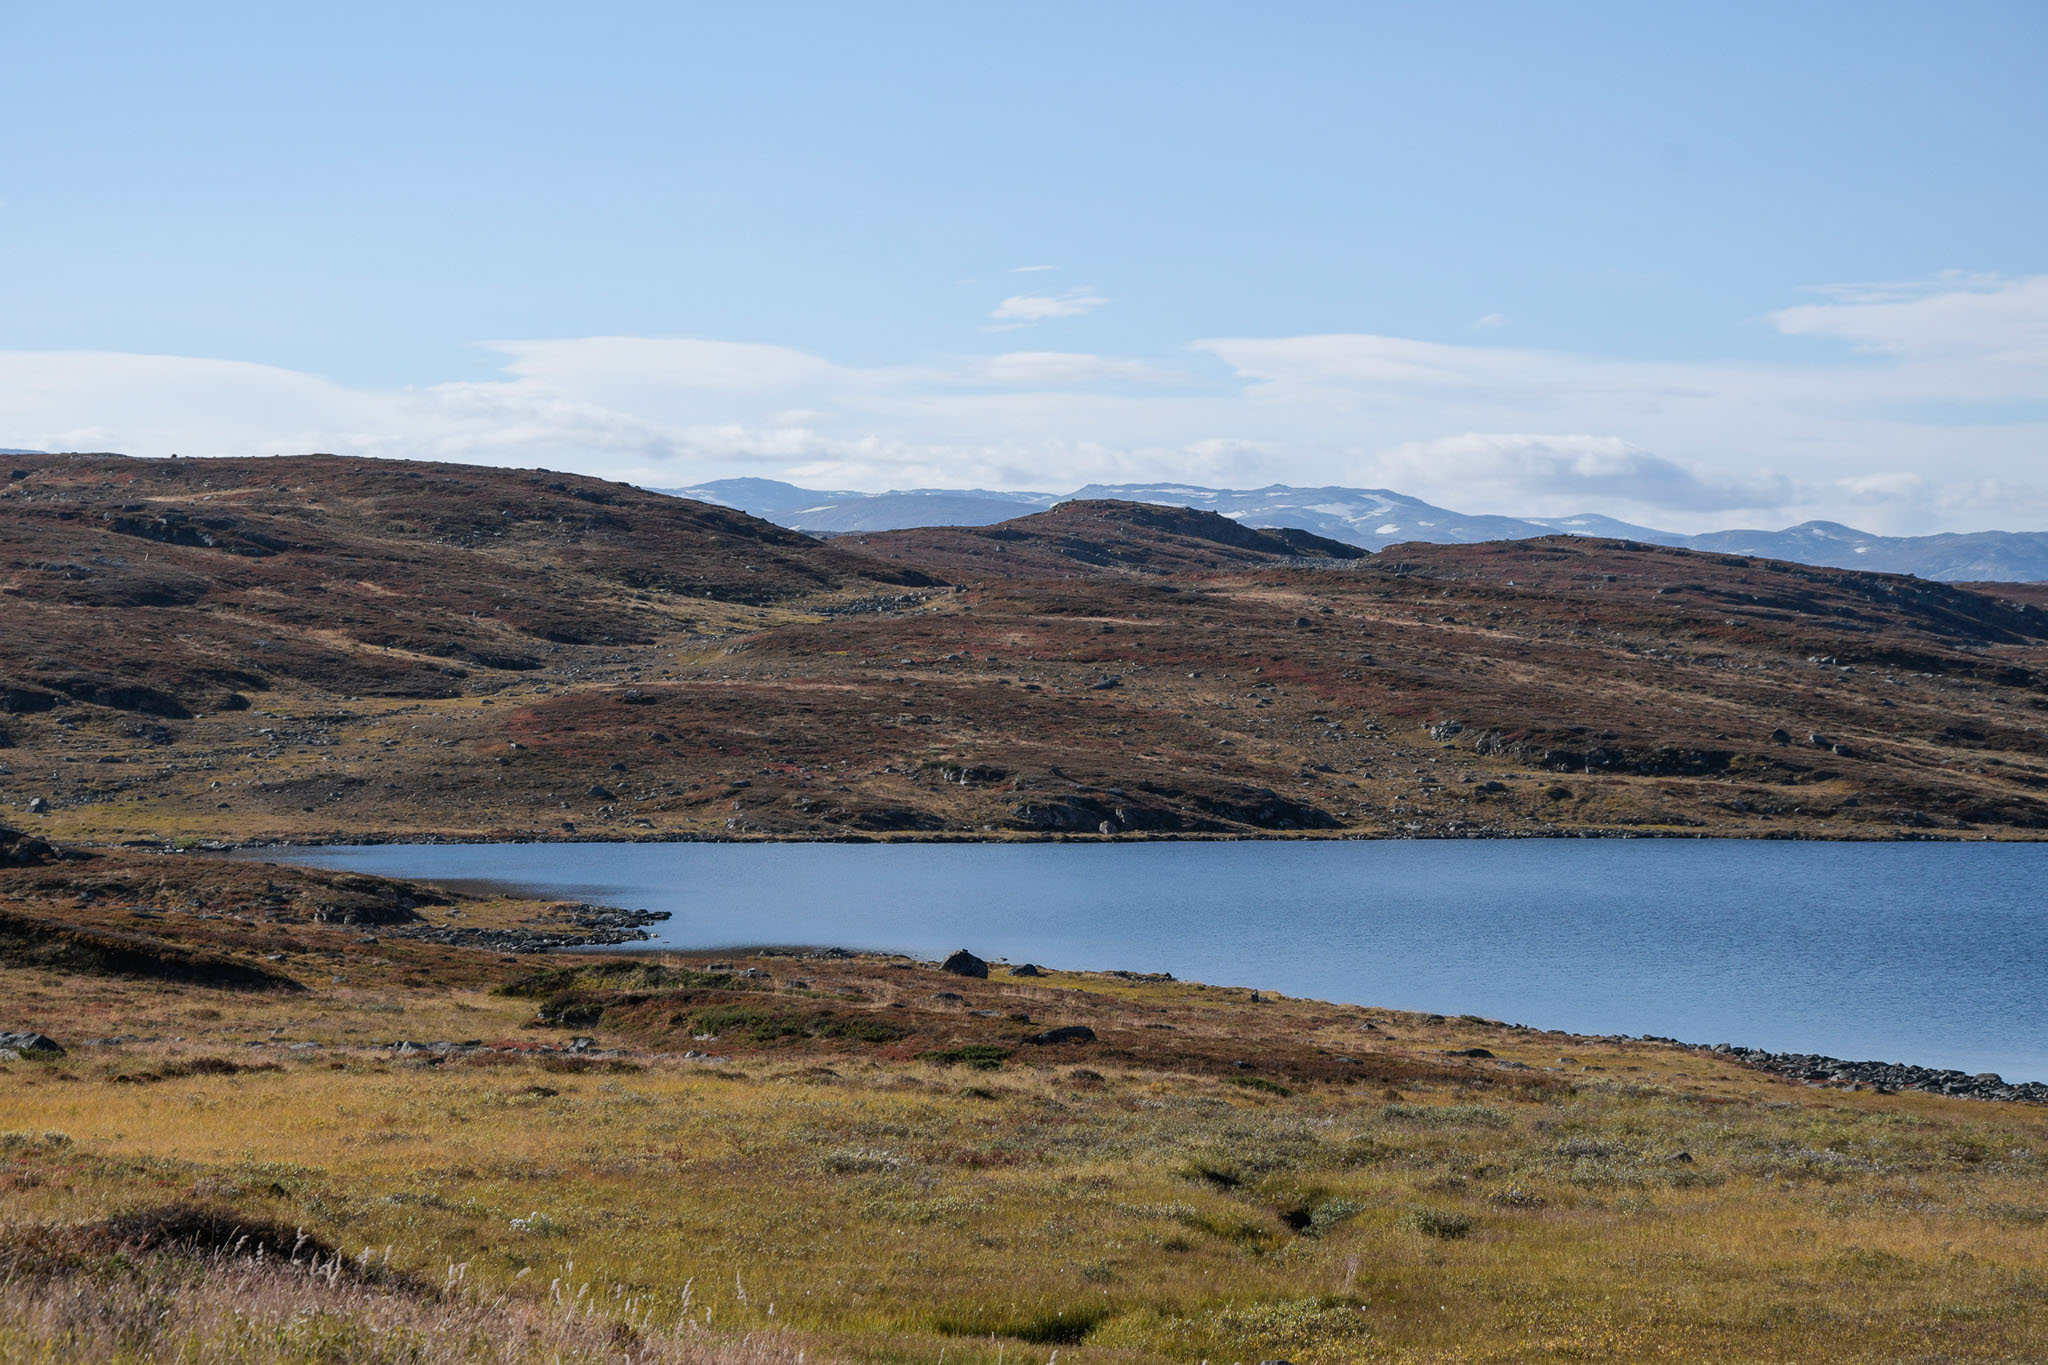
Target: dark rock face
(362, 910)
(1261, 808)
(365, 900)
(1570, 753)
(890, 819)
(30, 941)
(24, 850)
(596, 926)
(30, 1042)
(1026, 969)
(964, 963)
(211, 533)
(1072, 1033)
(122, 696)
(1064, 815)
(27, 700)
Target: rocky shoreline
(596, 927)
(1885, 1078)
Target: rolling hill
(317, 648)
(1376, 518)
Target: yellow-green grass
(847, 1201)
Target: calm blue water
(1927, 953)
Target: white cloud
(1030, 269)
(1489, 321)
(1563, 474)
(1480, 428)
(1060, 369)
(1983, 318)
(1044, 307)
(1880, 487)
(2005, 499)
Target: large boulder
(24, 850)
(964, 963)
(22, 1044)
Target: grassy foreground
(855, 1167)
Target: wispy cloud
(1030, 269)
(1044, 307)
(1976, 317)
(1484, 428)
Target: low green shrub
(1438, 1222)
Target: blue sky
(1695, 265)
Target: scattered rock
(31, 1042)
(38, 806)
(1026, 969)
(964, 963)
(1467, 1052)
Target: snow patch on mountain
(1376, 518)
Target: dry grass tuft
(223, 1305)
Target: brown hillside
(165, 587)
(1079, 538)
(484, 653)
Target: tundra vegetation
(317, 648)
(300, 1116)
(378, 1147)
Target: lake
(1935, 954)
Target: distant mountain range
(1375, 518)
